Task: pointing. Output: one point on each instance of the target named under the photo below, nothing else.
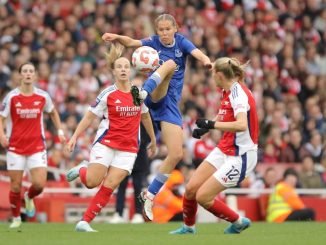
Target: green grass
(154, 234)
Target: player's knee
(176, 156)
(190, 192)
(202, 200)
(16, 188)
(91, 183)
(170, 64)
(38, 186)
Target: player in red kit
(24, 140)
(116, 143)
(235, 156)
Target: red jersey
(24, 114)
(238, 99)
(119, 128)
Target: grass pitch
(308, 233)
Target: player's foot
(137, 219)
(16, 223)
(83, 226)
(138, 95)
(73, 173)
(237, 228)
(147, 206)
(183, 230)
(29, 205)
(116, 219)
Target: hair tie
(229, 62)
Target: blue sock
(157, 183)
(152, 82)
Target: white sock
(150, 195)
(238, 221)
(143, 94)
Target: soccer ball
(145, 59)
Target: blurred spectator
(284, 203)
(292, 153)
(309, 177)
(314, 147)
(268, 180)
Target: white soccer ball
(145, 59)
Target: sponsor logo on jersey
(28, 113)
(178, 53)
(18, 104)
(128, 111)
(117, 101)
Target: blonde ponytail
(231, 68)
(114, 53)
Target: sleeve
(99, 106)
(5, 106)
(144, 108)
(187, 46)
(148, 41)
(49, 106)
(239, 101)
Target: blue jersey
(168, 109)
(178, 52)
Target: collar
(169, 45)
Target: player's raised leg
(156, 85)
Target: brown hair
(231, 68)
(166, 17)
(22, 65)
(114, 53)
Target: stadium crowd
(285, 41)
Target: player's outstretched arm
(199, 55)
(124, 40)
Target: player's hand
(151, 149)
(4, 141)
(70, 146)
(208, 65)
(199, 132)
(205, 123)
(109, 37)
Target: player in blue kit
(165, 94)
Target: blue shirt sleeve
(148, 41)
(187, 46)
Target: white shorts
(110, 157)
(20, 162)
(231, 170)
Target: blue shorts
(166, 110)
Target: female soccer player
(164, 95)
(24, 140)
(235, 156)
(116, 143)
